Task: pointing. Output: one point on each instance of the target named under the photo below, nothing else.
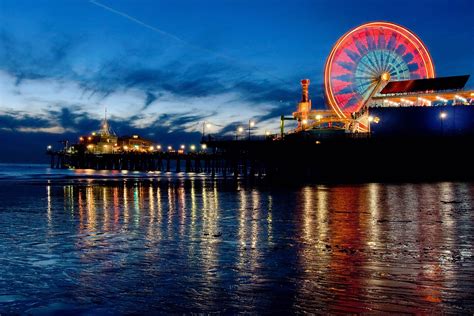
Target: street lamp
(251, 124)
(204, 126)
(170, 148)
(204, 146)
(192, 147)
(442, 117)
(240, 129)
(374, 119)
(370, 119)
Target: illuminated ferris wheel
(365, 56)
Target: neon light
(365, 55)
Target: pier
(400, 132)
(229, 163)
(316, 159)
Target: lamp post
(442, 117)
(240, 129)
(204, 126)
(370, 119)
(251, 124)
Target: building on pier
(440, 91)
(135, 143)
(105, 141)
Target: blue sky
(184, 62)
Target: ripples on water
(128, 245)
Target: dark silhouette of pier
(313, 158)
(223, 163)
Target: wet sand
(95, 246)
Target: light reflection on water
(196, 245)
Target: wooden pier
(225, 164)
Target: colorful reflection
(209, 246)
(381, 248)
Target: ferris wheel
(365, 56)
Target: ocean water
(100, 243)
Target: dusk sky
(163, 67)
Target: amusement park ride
(362, 62)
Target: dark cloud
(150, 98)
(174, 78)
(231, 128)
(200, 78)
(72, 117)
(13, 120)
(47, 57)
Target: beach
(90, 242)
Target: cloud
(48, 130)
(73, 119)
(150, 98)
(46, 58)
(50, 92)
(201, 78)
(13, 120)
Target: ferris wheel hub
(385, 76)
